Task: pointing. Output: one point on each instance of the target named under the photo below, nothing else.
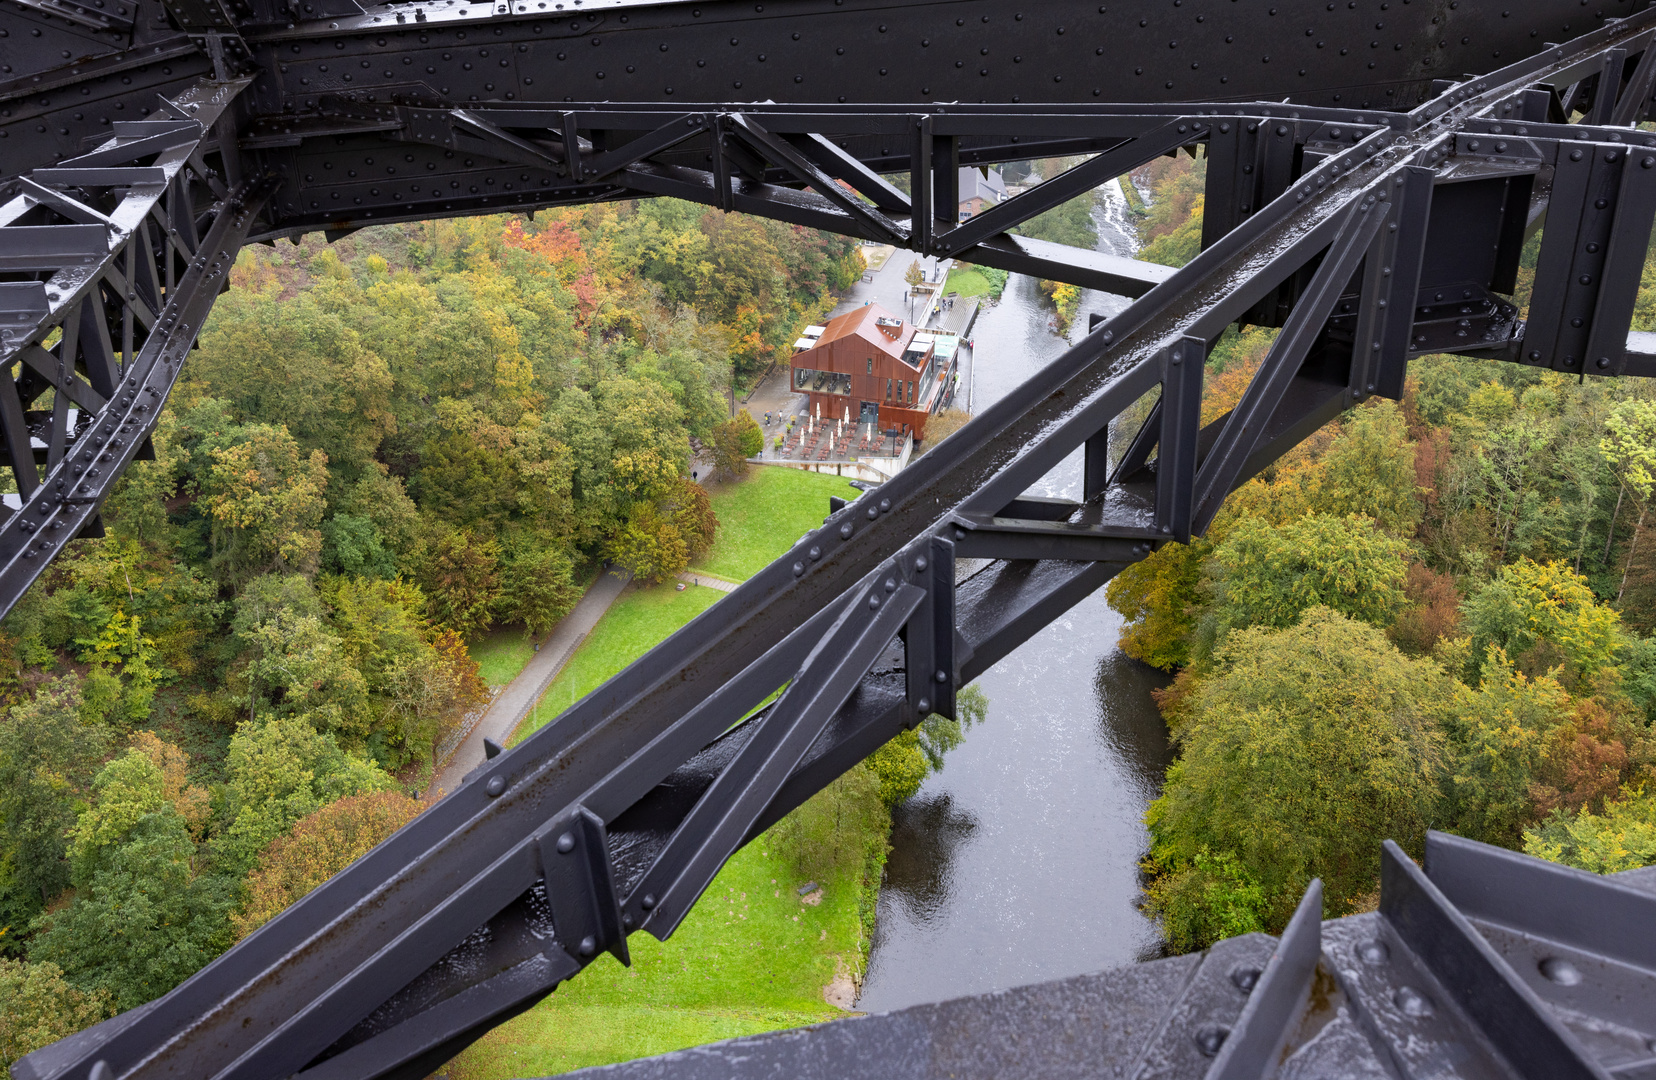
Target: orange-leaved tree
(320, 846)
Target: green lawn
(750, 957)
(501, 653)
(641, 618)
(966, 281)
(762, 516)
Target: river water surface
(1019, 861)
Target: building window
(888, 389)
(911, 391)
(822, 382)
(871, 365)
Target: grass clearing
(501, 653)
(750, 957)
(761, 517)
(640, 619)
(966, 281)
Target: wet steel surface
(1038, 817)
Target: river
(1018, 862)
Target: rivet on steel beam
(924, 705)
(960, 534)
(845, 531)
(885, 506)
(589, 945)
(873, 603)
(1244, 977)
(566, 844)
(920, 563)
(941, 676)
(1561, 971)
(1412, 1002)
(648, 902)
(815, 553)
(890, 585)
(1210, 1037)
(798, 569)
(873, 513)
(495, 787)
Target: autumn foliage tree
(266, 500)
(38, 1006)
(1307, 746)
(319, 846)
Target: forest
(1436, 613)
(382, 447)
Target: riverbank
(1040, 812)
(755, 954)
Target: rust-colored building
(873, 367)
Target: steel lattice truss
(1369, 229)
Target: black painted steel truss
(1367, 235)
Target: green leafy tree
(1370, 470)
(142, 921)
(1498, 734)
(465, 483)
(537, 587)
(650, 546)
(461, 578)
(265, 498)
(1212, 896)
(130, 788)
(280, 769)
(1623, 837)
(1267, 575)
(1306, 747)
(1542, 615)
(292, 362)
(294, 661)
(691, 512)
(839, 832)
(124, 645)
(748, 434)
(38, 1006)
(1160, 596)
(351, 544)
(48, 757)
(904, 762)
(1629, 445)
(380, 499)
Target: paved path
(520, 695)
(692, 578)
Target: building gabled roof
(974, 184)
(865, 323)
